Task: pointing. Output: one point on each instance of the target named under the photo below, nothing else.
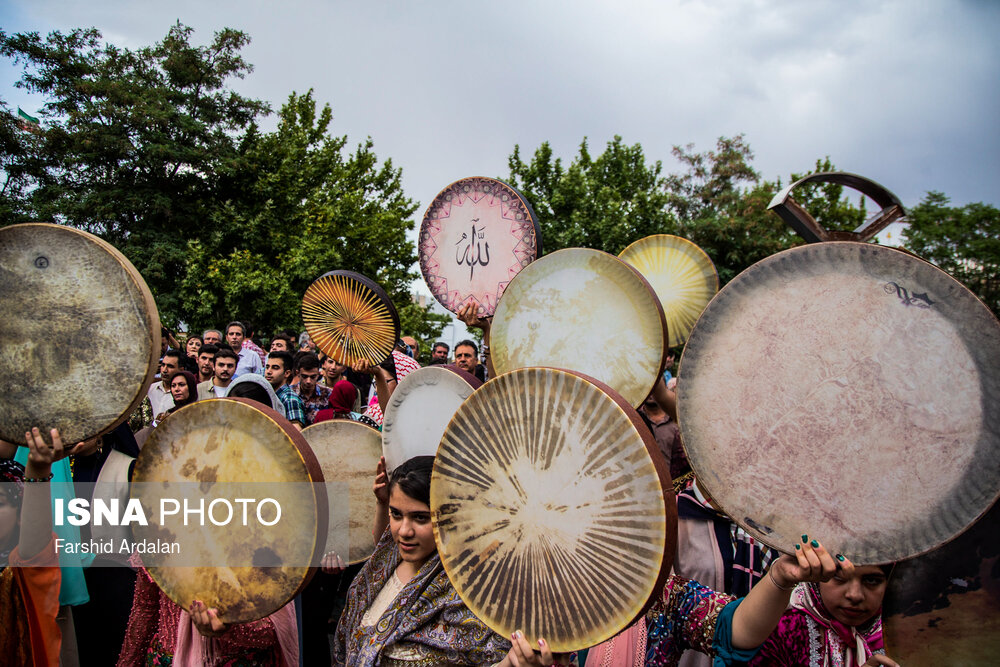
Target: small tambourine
(682, 276)
(350, 318)
(476, 235)
(552, 508)
(79, 329)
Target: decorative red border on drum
(523, 226)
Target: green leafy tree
(605, 202)
(136, 145)
(304, 206)
(962, 240)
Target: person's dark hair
(414, 478)
(468, 343)
(225, 353)
(441, 344)
(286, 358)
(438, 361)
(285, 337)
(235, 323)
(308, 361)
(187, 363)
(174, 353)
(252, 391)
(209, 349)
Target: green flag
(27, 123)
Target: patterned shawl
(807, 634)
(427, 618)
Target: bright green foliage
(827, 203)
(605, 202)
(134, 144)
(964, 241)
(304, 206)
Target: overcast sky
(905, 92)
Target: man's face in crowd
(211, 338)
(279, 345)
(465, 358)
(234, 336)
(274, 372)
(439, 352)
(168, 366)
(308, 379)
(224, 369)
(206, 364)
(332, 370)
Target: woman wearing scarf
(837, 623)
(343, 395)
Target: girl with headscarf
(343, 395)
(253, 386)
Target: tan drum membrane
(846, 390)
(552, 508)
(682, 276)
(79, 330)
(348, 451)
(227, 442)
(586, 311)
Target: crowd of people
(753, 606)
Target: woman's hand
(331, 563)
(381, 485)
(521, 653)
(42, 455)
(207, 620)
(85, 448)
(811, 562)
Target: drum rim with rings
(74, 431)
(331, 347)
(436, 281)
(714, 342)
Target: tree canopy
(153, 151)
(962, 240)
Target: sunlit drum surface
(586, 311)
(552, 508)
(847, 390)
(79, 333)
(476, 235)
(682, 276)
(232, 441)
(348, 452)
(350, 318)
(420, 409)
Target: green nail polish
(840, 558)
(798, 547)
(805, 538)
(815, 544)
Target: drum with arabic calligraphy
(476, 235)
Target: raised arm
(36, 508)
(382, 377)
(381, 490)
(760, 611)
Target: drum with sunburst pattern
(350, 318)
